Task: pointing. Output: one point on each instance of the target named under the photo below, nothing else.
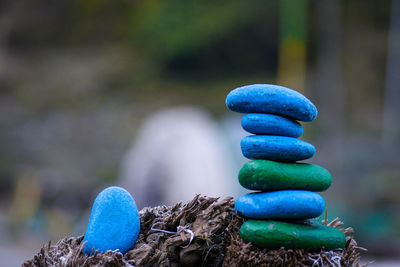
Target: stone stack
(281, 212)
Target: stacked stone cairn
(283, 210)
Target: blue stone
(270, 124)
(114, 222)
(268, 98)
(277, 148)
(285, 204)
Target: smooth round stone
(275, 234)
(266, 175)
(285, 204)
(114, 222)
(270, 124)
(268, 98)
(278, 148)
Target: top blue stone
(268, 98)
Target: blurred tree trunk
(9, 13)
(292, 59)
(328, 81)
(391, 108)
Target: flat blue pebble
(114, 222)
(270, 124)
(268, 98)
(285, 204)
(277, 148)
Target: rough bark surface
(203, 232)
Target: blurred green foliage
(170, 28)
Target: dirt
(203, 232)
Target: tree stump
(202, 232)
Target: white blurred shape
(178, 153)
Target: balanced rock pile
(281, 212)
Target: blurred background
(132, 93)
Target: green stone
(275, 234)
(269, 175)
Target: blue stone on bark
(284, 204)
(268, 98)
(277, 148)
(270, 124)
(114, 222)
